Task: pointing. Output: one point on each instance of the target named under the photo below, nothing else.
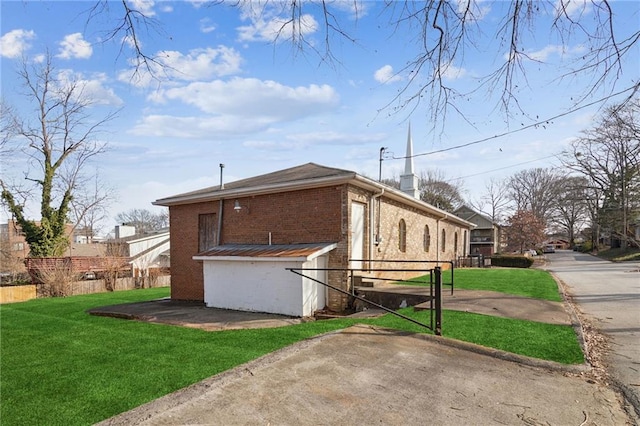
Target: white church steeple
(409, 180)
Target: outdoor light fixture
(237, 207)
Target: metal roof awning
(307, 251)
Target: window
(444, 240)
(455, 243)
(206, 231)
(402, 236)
(427, 239)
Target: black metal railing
(435, 290)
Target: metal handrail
(449, 262)
(435, 287)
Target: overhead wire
(529, 126)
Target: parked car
(549, 249)
(531, 252)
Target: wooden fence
(22, 293)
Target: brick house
(231, 244)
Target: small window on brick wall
(207, 226)
(402, 236)
(444, 240)
(427, 238)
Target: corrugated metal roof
(265, 250)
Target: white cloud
(355, 8)
(91, 89)
(572, 8)
(299, 141)
(548, 51)
(198, 64)
(477, 9)
(197, 127)
(14, 43)
(206, 26)
(386, 75)
(451, 72)
(143, 6)
(74, 46)
(254, 98)
(271, 29)
(235, 107)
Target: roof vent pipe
(221, 182)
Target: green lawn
(59, 365)
(518, 281)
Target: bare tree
(570, 209)
(436, 190)
(58, 142)
(443, 31)
(494, 201)
(144, 220)
(535, 190)
(608, 155)
(89, 206)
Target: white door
(357, 234)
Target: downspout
(221, 204)
(372, 220)
(438, 236)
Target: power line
(505, 167)
(510, 132)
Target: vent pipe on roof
(221, 182)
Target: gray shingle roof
(305, 172)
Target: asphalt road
(608, 294)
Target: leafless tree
(89, 205)
(7, 128)
(494, 201)
(439, 191)
(570, 208)
(608, 155)
(57, 142)
(535, 190)
(144, 220)
(442, 30)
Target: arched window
(455, 244)
(426, 242)
(444, 240)
(402, 236)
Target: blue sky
(233, 95)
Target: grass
(517, 281)
(59, 365)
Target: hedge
(512, 261)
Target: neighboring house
(145, 252)
(486, 237)
(231, 244)
(14, 248)
(558, 244)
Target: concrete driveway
(364, 375)
(608, 294)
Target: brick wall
(305, 216)
(415, 220)
(186, 274)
